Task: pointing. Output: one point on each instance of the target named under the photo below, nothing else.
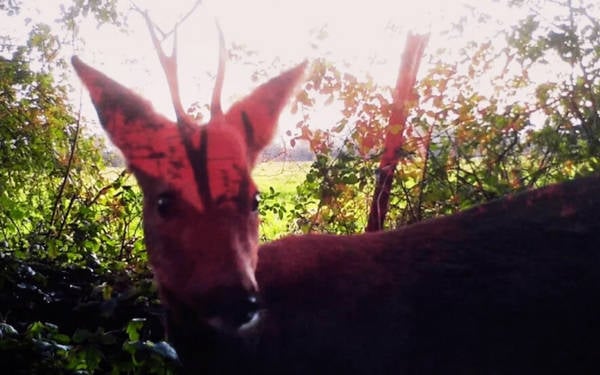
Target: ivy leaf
(133, 328)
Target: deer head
(200, 202)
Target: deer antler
(169, 65)
(215, 105)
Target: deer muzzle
(230, 308)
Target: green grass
(282, 177)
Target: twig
(65, 216)
(424, 175)
(61, 189)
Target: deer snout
(230, 308)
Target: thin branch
(409, 205)
(424, 174)
(66, 216)
(19, 233)
(61, 189)
(124, 237)
(513, 143)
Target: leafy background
(76, 295)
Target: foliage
(277, 182)
(92, 323)
(73, 270)
(71, 211)
(103, 11)
(11, 7)
(483, 127)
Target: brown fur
(505, 288)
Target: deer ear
(150, 142)
(256, 115)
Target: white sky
(363, 36)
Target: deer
(509, 286)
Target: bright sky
(363, 36)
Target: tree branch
(403, 96)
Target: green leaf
(61, 338)
(133, 328)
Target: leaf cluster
(485, 124)
(58, 319)
(73, 269)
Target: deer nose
(230, 308)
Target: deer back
(507, 287)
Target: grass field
(283, 177)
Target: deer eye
(165, 204)
(255, 202)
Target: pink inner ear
(151, 144)
(256, 116)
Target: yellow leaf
(395, 129)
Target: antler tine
(169, 65)
(215, 106)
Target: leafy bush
(92, 322)
(482, 129)
(76, 294)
